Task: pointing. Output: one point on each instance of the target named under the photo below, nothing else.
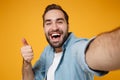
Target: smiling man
(68, 57)
(56, 28)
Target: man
(68, 57)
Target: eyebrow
(60, 19)
(47, 20)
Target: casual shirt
(53, 67)
(72, 65)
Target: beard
(58, 44)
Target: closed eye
(60, 22)
(48, 23)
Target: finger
(28, 59)
(26, 49)
(25, 43)
(27, 55)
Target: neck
(57, 50)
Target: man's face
(55, 28)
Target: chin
(56, 45)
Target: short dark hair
(58, 7)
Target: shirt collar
(68, 41)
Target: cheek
(45, 29)
(65, 28)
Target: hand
(26, 51)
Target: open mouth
(55, 36)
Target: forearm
(27, 72)
(104, 52)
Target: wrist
(26, 64)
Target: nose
(54, 27)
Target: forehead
(54, 14)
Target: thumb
(25, 43)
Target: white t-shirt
(53, 67)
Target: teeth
(55, 35)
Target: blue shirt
(72, 65)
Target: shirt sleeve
(83, 45)
(39, 68)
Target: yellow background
(22, 18)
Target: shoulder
(80, 42)
(81, 45)
(47, 48)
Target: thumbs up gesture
(26, 51)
